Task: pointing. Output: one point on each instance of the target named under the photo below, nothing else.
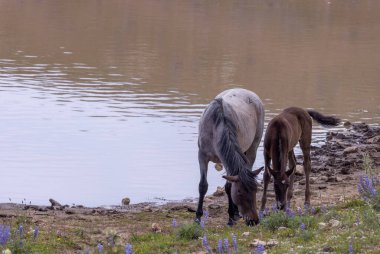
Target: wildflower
(202, 224)
(260, 249)
(234, 242)
(206, 216)
(226, 246)
(313, 210)
(20, 229)
(299, 211)
(5, 234)
(266, 211)
(303, 226)
(205, 244)
(261, 215)
(351, 248)
(128, 249)
(289, 212)
(274, 207)
(174, 223)
(306, 208)
(220, 246)
(100, 247)
(35, 233)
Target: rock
(299, 170)
(347, 124)
(322, 225)
(156, 227)
(282, 228)
(70, 211)
(246, 234)
(323, 179)
(218, 166)
(334, 223)
(302, 182)
(374, 140)
(272, 243)
(125, 201)
(322, 187)
(147, 208)
(219, 192)
(351, 149)
(54, 202)
(345, 170)
(213, 206)
(257, 242)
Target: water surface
(101, 100)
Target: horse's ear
(232, 179)
(257, 171)
(289, 173)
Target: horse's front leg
(203, 185)
(266, 179)
(233, 211)
(292, 168)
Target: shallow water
(101, 100)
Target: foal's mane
(233, 157)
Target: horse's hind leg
(292, 166)
(305, 144)
(233, 211)
(203, 185)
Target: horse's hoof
(231, 222)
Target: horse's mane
(232, 156)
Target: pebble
(156, 227)
(219, 192)
(246, 234)
(299, 170)
(334, 223)
(322, 225)
(125, 201)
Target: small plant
(189, 231)
(260, 249)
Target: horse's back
(247, 114)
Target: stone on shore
(125, 201)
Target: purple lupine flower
(5, 234)
(128, 249)
(350, 248)
(174, 223)
(289, 212)
(226, 246)
(266, 211)
(35, 233)
(274, 207)
(206, 217)
(303, 226)
(202, 224)
(86, 251)
(220, 246)
(20, 229)
(234, 242)
(313, 211)
(260, 249)
(306, 208)
(205, 244)
(299, 211)
(100, 247)
(261, 215)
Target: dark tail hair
(324, 120)
(233, 157)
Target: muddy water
(101, 100)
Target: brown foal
(284, 131)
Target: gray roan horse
(230, 131)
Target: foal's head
(281, 184)
(243, 194)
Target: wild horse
(230, 130)
(284, 131)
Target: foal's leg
(292, 168)
(203, 185)
(267, 177)
(233, 211)
(305, 143)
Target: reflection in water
(102, 100)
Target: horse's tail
(231, 155)
(327, 121)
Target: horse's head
(281, 184)
(245, 197)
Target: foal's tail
(327, 121)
